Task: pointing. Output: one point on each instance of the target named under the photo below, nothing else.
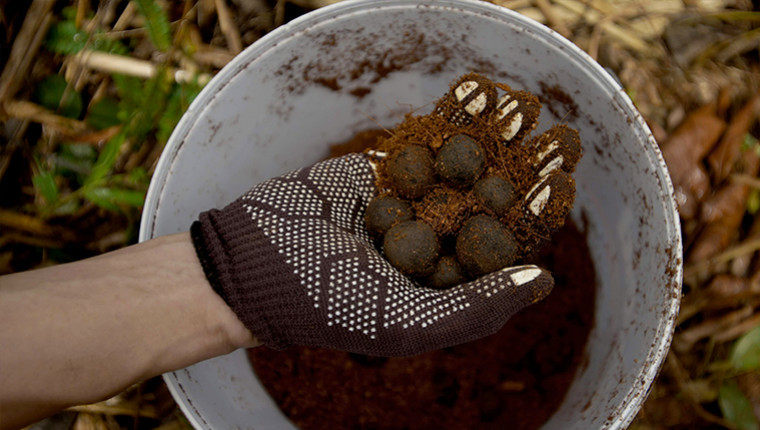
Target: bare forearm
(81, 332)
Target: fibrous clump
(462, 194)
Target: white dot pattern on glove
(314, 217)
(343, 191)
(277, 193)
(407, 304)
(307, 237)
(353, 297)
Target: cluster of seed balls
(462, 197)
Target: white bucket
(277, 107)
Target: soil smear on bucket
(516, 378)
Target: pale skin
(82, 332)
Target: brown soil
(513, 379)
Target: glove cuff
(238, 262)
(202, 245)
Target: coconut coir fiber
(513, 379)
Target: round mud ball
(412, 248)
(484, 245)
(383, 212)
(447, 273)
(495, 193)
(460, 161)
(410, 171)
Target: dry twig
(36, 23)
(111, 63)
(22, 109)
(228, 27)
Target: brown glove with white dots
(294, 260)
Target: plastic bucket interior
(358, 64)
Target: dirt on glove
(513, 379)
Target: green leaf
(69, 13)
(178, 102)
(131, 93)
(138, 176)
(67, 208)
(64, 38)
(52, 93)
(74, 161)
(44, 183)
(745, 354)
(156, 94)
(111, 197)
(736, 407)
(104, 113)
(106, 160)
(157, 23)
(94, 197)
(750, 142)
(753, 201)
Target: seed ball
(444, 209)
(383, 212)
(447, 273)
(460, 160)
(412, 248)
(484, 245)
(495, 193)
(410, 171)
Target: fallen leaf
(683, 153)
(728, 150)
(723, 213)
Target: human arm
(81, 332)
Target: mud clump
(384, 212)
(412, 247)
(485, 245)
(410, 171)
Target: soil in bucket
(516, 378)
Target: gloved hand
(294, 261)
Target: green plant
(733, 402)
(143, 112)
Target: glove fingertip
(529, 284)
(538, 280)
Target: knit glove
(293, 260)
